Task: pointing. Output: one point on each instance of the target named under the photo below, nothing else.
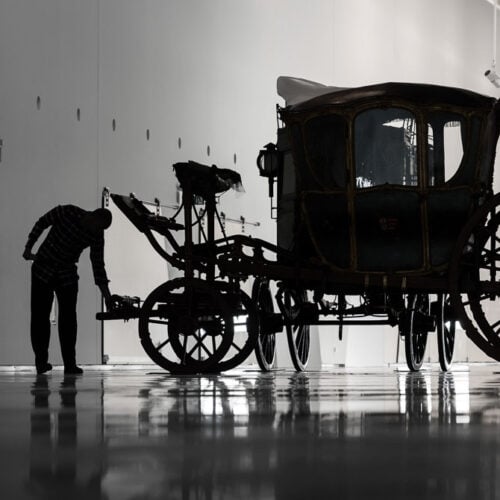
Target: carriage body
(382, 179)
(386, 215)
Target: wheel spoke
(298, 338)
(159, 347)
(267, 351)
(199, 345)
(304, 347)
(237, 347)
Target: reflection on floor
(346, 434)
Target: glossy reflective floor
(143, 434)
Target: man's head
(98, 220)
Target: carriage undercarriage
(187, 325)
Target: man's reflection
(54, 443)
(40, 464)
(67, 426)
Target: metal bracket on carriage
(123, 307)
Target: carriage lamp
(268, 162)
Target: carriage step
(308, 313)
(421, 322)
(270, 323)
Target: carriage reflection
(264, 435)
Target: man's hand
(28, 254)
(108, 300)
(109, 303)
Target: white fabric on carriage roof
(297, 90)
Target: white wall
(47, 49)
(202, 71)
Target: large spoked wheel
(265, 349)
(445, 332)
(414, 331)
(186, 326)
(475, 278)
(297, 333)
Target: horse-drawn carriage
(385, 215)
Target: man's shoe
(72, 370)
(43, 368)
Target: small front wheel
(445, 332)
(412, 328)
(297, 332)
(265, 349)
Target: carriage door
(450, 173)
(387, 212)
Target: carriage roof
(310, 105)
(417, 93)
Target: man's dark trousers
(42, 297)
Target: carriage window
(325, 140)
(385, 147)
(445, 146)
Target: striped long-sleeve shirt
(60, 251)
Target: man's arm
(41, 224)
(100, 276)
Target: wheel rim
(415, 337)
(488, 262)
(265, 349)
(185, 326)
(445, 333)
(468, 269)
(297, 334)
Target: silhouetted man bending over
(54, 270)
